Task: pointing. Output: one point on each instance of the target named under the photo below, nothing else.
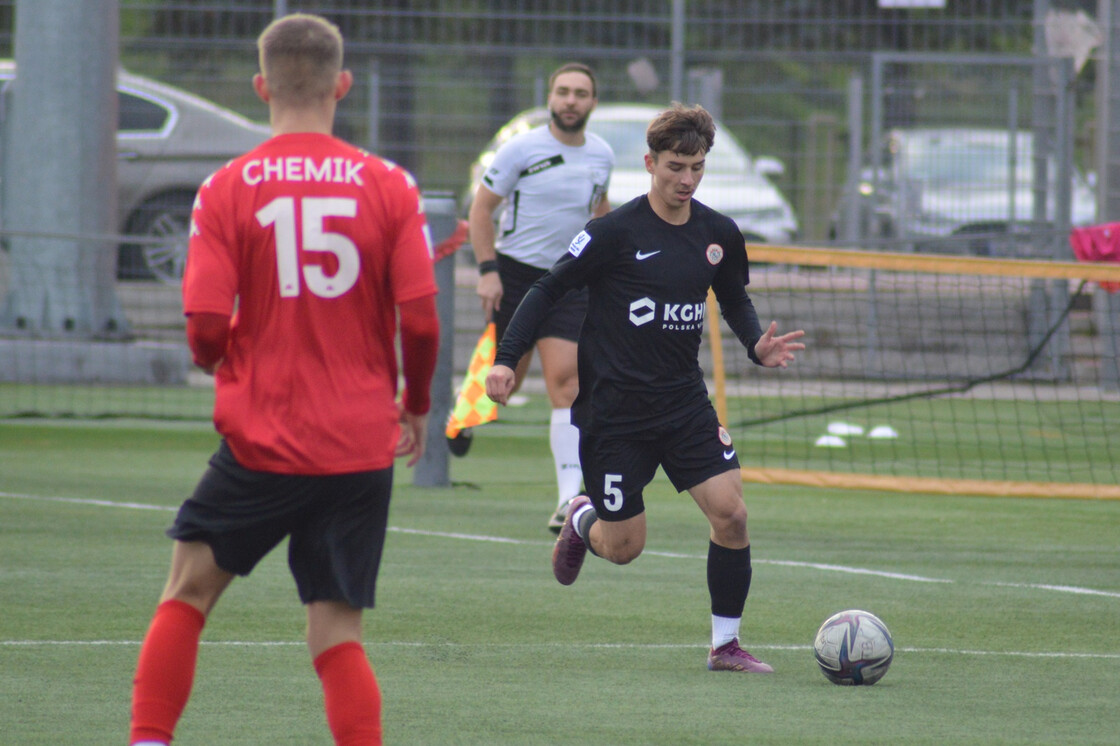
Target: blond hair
(300, 58)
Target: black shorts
(335, 525)
(691, 450)
(564, 320)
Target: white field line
(86, 501)
(783, 563)
(369, 644)
(1059, 588)
(652, 552)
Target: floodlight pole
(60, 172)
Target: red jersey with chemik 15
(315, 243)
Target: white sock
(575, 520)
(724, 629)
(563, 437)
(149, 743)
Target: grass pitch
(1005, 613)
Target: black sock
(729, 579)
(583, 527)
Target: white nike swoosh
(728, 455)
(640, 256)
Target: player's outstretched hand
(414, 435)
(777, 352)
(499, 383)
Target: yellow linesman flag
(473, 407)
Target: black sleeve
(530, 314)
(743, 320)
(734, 303)
(584, 258)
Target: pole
(432, 468)
(677, 30)
(60, 171)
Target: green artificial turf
(1005, 613)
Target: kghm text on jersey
(335, 170)
(674, 316)
(683, 317)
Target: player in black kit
(642, 400)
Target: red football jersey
(310, 244)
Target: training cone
(844, 428)
(882, 432)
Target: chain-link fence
(437, 78)
(826, 93)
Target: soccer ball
(853, 647)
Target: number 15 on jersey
(314, 211)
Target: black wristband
(490, 265)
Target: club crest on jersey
(575, 248)
(724, 436)
(715, 254)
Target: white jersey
(550, 190)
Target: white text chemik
(299, 168)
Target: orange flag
(473, 407)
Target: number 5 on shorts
(613, 501)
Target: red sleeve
(419, 347)
(411, 246)
(210, 275)
(207, 336)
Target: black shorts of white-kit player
(564, 319)
(691, 450)
(335, 523)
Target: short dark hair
(687, 130)
(575, 67)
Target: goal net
(930, 374)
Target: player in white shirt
(550, 182)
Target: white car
(734, 183)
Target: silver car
(734, 183)
(168, 142)
(957, 190)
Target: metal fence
(437, 78)
(819, 85)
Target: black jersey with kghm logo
(648, 283)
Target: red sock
(351, 696)
(165, 671)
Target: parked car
(734, 183)
(168, 142)
(956, 190)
